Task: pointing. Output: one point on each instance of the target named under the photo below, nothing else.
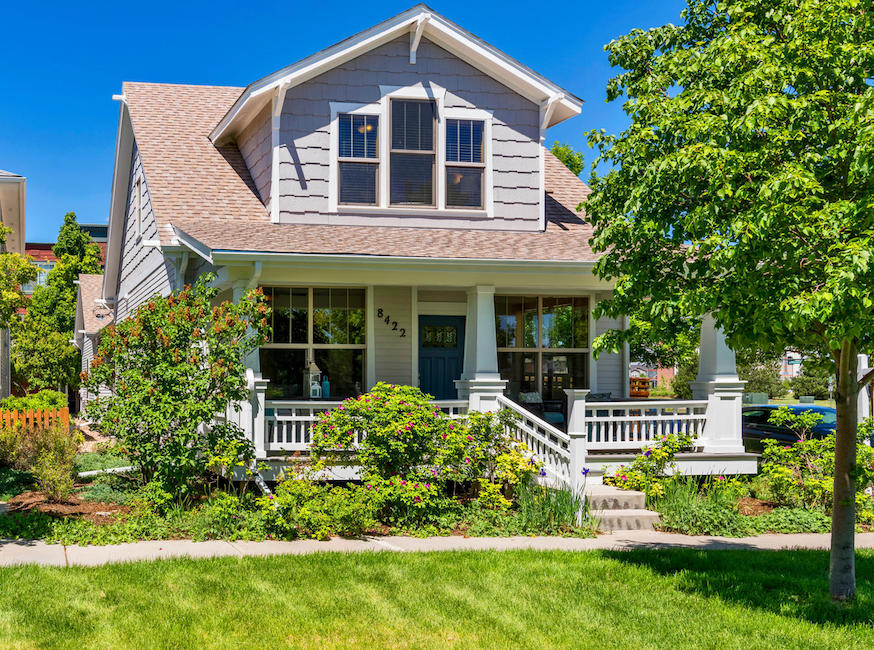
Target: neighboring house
(657, 375)
(12, 194)
(45, 259)
(393, 197)
(790, 364)
(92, 315)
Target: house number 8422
(385, 318)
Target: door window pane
(412, 125)
(565, 323)
(520, 371)
(284, 369)
(464, 187)
(564, 370)
(439, 336)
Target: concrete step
(634, 519)
(607, 497)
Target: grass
(794, 400)
(638, 599)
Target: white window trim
(382, 108)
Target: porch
(486, 346)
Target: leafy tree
(761, 371)
(15, 270)
(813, 380)
(172, 366)
(77, 254)
(572, 159)
(43, 357)
(743, 188)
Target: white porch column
(240, 288)
(864, 398)
(480, 381)
(718, 383)
(577, 430)
(257, 405)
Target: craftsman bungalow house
(393, 197)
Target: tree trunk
(842, 569)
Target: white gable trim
(418, 21)
(124, 144)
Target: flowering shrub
(649, 467)
(172, 366)
(301, 508)
(400, 426)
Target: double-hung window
(358, 160)
(465, 166)
(413, 152)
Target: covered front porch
(476, 337)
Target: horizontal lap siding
(305, 131)
(394, 354)
(609, 366)
(255, 146)
(144, 270)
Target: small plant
(648, 468)
(44, 399)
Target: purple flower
(543, 471)
(585, 471)
(647, 453)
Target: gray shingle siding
(143, 269)
(304, 135)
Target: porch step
(620, 509)
(610, 520)
(607, 497)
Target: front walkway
(16, 552)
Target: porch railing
(632, 425)
(548, 444)
(288, 423)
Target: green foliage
(43, 357)
(13, 482)
(172, 366)
(44, 399)
(107, 458)
(681, 384)
(813, 380)
(762, 374)
(572, 159)
(110, 488)
(15, 270)
(655, 347)
(649, 467)
(55, 303)
(301, 508)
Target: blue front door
(441, 354)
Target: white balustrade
(547, 443)
(635, 424)
(288, 423)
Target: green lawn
(716, 599)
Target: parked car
(757, 427)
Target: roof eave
(440, 30)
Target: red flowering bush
(171, 367)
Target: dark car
(757, 427)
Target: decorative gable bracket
(416, 31)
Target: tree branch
(868, 376)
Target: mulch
(94, 511)
(754, 507)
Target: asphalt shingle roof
(207, 192)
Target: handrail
(543, 424)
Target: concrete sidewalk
(17, 552)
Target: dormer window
(358, 158)
(412, 152)
(409, 154)
(464, 164)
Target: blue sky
(62, 62)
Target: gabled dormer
(414, 122)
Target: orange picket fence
(33, 419)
